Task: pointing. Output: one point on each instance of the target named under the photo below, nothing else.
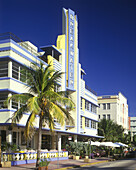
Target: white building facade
(114, 107)
(133, 125)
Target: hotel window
(14, 138)
(104, 116)
(93, 124)
(22, 103)
(4, 69)
(23, 74)
(104, 106)
(86, 105)
(3, 97)
(87, 122)
(3, 136)
(81, 104)
(108, 106)
(19, 72)
(56, 88)
(14, 104)
(108, 117)
(15, 70)
(81, 122)
(23, 142)
(46, 142)
(93, 108)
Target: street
(127, 164)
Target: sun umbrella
(109, 144)
(121, 144)
(96, 143)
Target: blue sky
(107, 37)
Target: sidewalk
(62, 164)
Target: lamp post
(90, 148)
(58, 152)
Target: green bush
(5, 146)
(79, 148)
(44, 162)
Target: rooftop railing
(10, 35)
(92, 91)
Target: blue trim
(6, 110)
(14, 60)
(24, 56)
(51, 46)
(5, 48)
(11, 41)
(89, 118)
(90, 96)
(9, 90)
(4, 41)
(5, 124)
(72, 133)
(89, 100)
(13, 163)
(7, 78)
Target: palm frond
(51, 122)
(69, 118)
(52, 80)
(17, 115)
(29, 129)
(23, 98)
(57, 98)
(33, 105)
(57, 113)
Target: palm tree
(42, 101)
(110, 130)
(105, 129)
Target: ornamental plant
(44, 162)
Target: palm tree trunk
(39, 142)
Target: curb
(93, 163)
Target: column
(75, 138)
(18, 138)
(59, 142)
(10, 103)
(10, 69)
(9, 136)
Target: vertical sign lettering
(71, 41)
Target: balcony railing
(30, 157)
